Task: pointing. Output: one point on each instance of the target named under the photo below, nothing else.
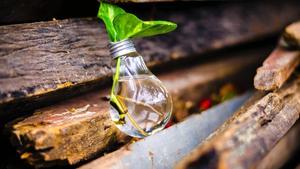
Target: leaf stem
(121, 106)
(140, 103)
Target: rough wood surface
(37, 59)
(291, 36)
(283, 151)
(251, 135)
(276, 69)
(79, 128)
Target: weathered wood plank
(291, 36)
(79, 128)
(37, 59)
(164, 149)
(283, 151)
(281, 63)
(251, 135)
(276, 69)
(20, 11)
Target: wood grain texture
(276, 69)
(252, 133)
(284, 150)
(37, 59)
(281, 63)
(78, 129)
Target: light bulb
(140, 104)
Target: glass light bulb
(141, 105)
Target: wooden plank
(281, 63)
(291, 36)
(276, 69)
(164, 149)
(14, 11)
(251, 134)
(284, 150)
(77, 129)
(38, 59)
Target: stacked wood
(138, 155)
(49, 61)
(79, 128)
(284, 150)
(278, 67)
(247, 138)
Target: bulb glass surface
(143, 106)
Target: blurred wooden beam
(291, 36)
(251, 134)
(78, 129)
(283, 151)
(281, 63)
(49, 61)
(276, 69)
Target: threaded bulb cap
(120, 48)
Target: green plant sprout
(121, 25)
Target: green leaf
(107, 12)
(129, 26)
(121, 25)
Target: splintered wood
(276, 69)
(250, 134)
(283, 151)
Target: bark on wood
(276, 69)
(291, 36)
(251, 135)
(37, 59)
(79, 128)
(283, 151)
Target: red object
(205, 104)
(169, 124)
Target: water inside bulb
(140, 104)
(145, 103)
